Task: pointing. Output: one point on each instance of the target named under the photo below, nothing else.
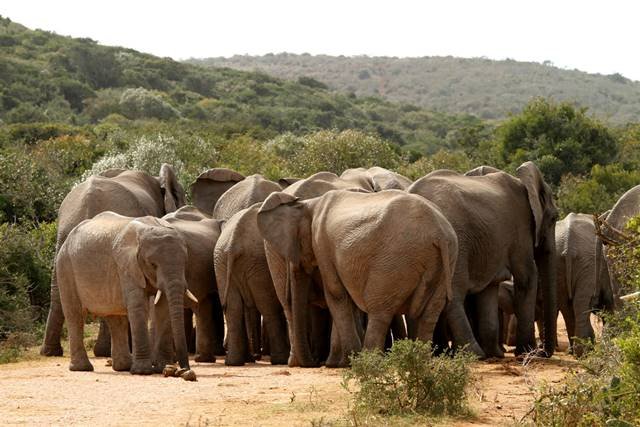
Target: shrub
(141, 103)
(409, 379)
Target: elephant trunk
(175, 297)
(546, 263)
(299, 283)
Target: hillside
(46, 77)
(486, 88)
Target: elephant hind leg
(102, 347)
(237, 343)
(119, 328)
(488, 330)
(55, 319)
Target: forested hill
(486, 88)
(46, 77)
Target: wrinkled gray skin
(505, 227)
(341, 234)
(109, 266)
(129, 193)
(627, 206)
(200, 232)
(376, 179)
(245, 285)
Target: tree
(559, 137)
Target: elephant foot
(293, 361)
(81, 366)
(205, 358)
(475, 349)
(337, 361)
(120, 364)
(496, 352)
(100, 350)
(281, 359)
(141, 367)
(234, 361)
(51, 350)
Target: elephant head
(172, 191)
(285, 224)
(150, 254)
(545, 215)
(210, 185)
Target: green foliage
(454, 160)
(336, 151)
(409, 379)
(485, 88)
(606, 390)
(26, 256)
(558, 137)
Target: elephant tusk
(191, 296)
(634, 295)
(158, 295)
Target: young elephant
(388, 253)
(109, 266)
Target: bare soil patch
(43, 391)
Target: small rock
(188, 375)
(498, 406)
(169, 371)
(109, 362)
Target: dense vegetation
(486, 88)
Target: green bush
(409, 379)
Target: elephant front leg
(525, 305)
(75, 316)
(120, 356)
(377, 329)
(205, 351)
(102, 347)
(137, 314)
(488, 321)
(344, 324)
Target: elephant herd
(311, 270)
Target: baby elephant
(109, 266)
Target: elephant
(580, 291)
(627, 206)
(376, 178)
(109, 265)
(311, 187)
(245, 286)
(243, 194)
(129, 193)
(388, 253)
(505, 227)
(200, 232)
(210, 185)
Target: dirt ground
(43, 391)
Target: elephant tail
(228, 265)
(425, 294)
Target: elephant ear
(125, 252)
(482, 170)
(210, 185)
(278, 222)
(172, 191)
(540, 197)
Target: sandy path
(43, 391)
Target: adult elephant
(388, 253)
(627, 207)
(505, 227)
(109, 265)
(200, 233)
(210, 185)
(129, 193)
(376, 178)
(241, 255)
(580, 290)
(245, 287)
(314, 186)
